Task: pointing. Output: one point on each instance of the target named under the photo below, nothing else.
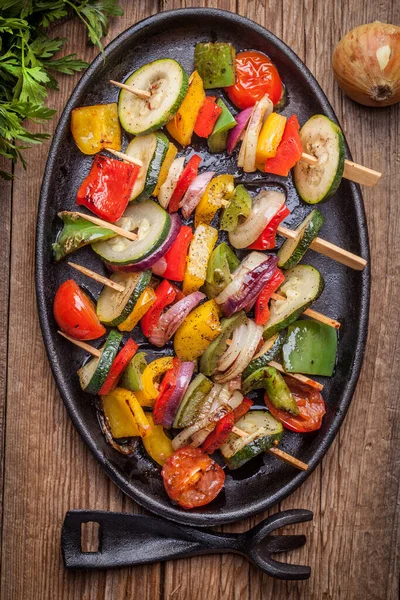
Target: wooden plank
(5, 236)
(48, 468)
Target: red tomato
(310, 403)
(119, 365)
(255, 77)
(188, 175)
(192, 478)
(75, 312)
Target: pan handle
(128, 539)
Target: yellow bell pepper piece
(181, 127)
(96, 127)
(145, 300)
(167, 162)
(125, 415)
(197, 331)
(200, 248)
(216, 195)
(150, 379)
(270, 137)
(158, 445)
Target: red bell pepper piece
(107, 188)
(178, 291)
(189, 173)
(219, 435)
(177, 255)
(167, 388)
(261, 309)
(207, 117)
(118, 366)
(289, 150)
(242, 409)
(165, 295)
(267, 239)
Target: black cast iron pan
(265, 481)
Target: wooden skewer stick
(125, 157)
(313, 314)
(298, 376)
(139, 93)
(288, 458)
(335, 252)
(97, 277)
(83, 345)
(352, 171)
(123, 232)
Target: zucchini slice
(114, 307)
(167, 82)
(152, 224)
(323, 139)
(269, 351)
(303, 284)
(192, 401)
(132, 376)
(292, 251)
(94, 373)
(264, 432)
(151, 150)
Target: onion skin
(366, 64)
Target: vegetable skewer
(302, 378)
(328, 249)
(96, 221)
(93, 351)
(126, 157)
(352, 171)
(288, 458)
(139, 93)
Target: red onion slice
(182, 382)
(235, 134)
(250, 262)
(159, 267)
(149, 261)
(251, 286)
(194, 193)
(173, 317)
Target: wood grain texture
(354, 539)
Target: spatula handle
(127, 539)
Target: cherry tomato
(310, 403)
(255, 77)
(119, 364)
(192, 478)
(75, 312)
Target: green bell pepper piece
(278, 392)
(132, 377)
(217, 140)
(223, 261)
(239, 205)
(215, 63)
(77, 233)
(310, 348)
(210, 358)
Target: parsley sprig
(28, 67)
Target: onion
(194, 193)
(149, 261)
(366, 64)
(235, 134)
(250, 340)
(262, 108)
(182, 382)
(233, 351)
(250, 262)
(265, 206)
(173, 317)
(251, 286)
(159, 267)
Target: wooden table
(46, 469)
